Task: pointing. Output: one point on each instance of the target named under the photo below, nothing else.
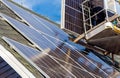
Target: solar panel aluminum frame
(34, 17)
(35, 44)
(15, 12)
(85, 57)
(5, 39)
(15, 48)
(21, 32)
(63, 14)
(15, 64)
(75, 28)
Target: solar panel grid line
(37, 57)
(55, 34)
(73, 8)
(58, 40)
(14, 47)
(20, 30)
(73, 5)
(63, 66)
(13, 75)
(48, 66)
(73, 17)
(42, 23)
(57, 62)
(74, 24)
(80, 73)
(53, 38)
(10, 74)
(17, 49)
(30, 22)
(99, 67)
(92, 74)
(56, 46)
(11, 60)
(51, 25)
(7, 4)
(7, 74)
(17, 66)
(11, 8)
(6, 39)
(3, 64)
(83, 56)
(91, 62)
(14, 26)
(4, 69)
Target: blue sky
(48, 8)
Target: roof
(8, 31)
(45, 50)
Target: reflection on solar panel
(72, 15)
(31, 34)
(42, 60)
(56, 67)
(38, 23)
(59, 33)
(71, 59)
(6, 71)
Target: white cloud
(28, 3)
(59, 22)
(31, 4)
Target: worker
(98, 18)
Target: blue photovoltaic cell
(77, 63)
(72, 18)
(42, 60)
(37, 22)
(31, 34)
(6, 71)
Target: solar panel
(72, 16)
(81, 19)
(55, 67)
(59, 33)
(41, 59)
(65, 53)
(37, 22)
(6, 71)
(31, 34)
